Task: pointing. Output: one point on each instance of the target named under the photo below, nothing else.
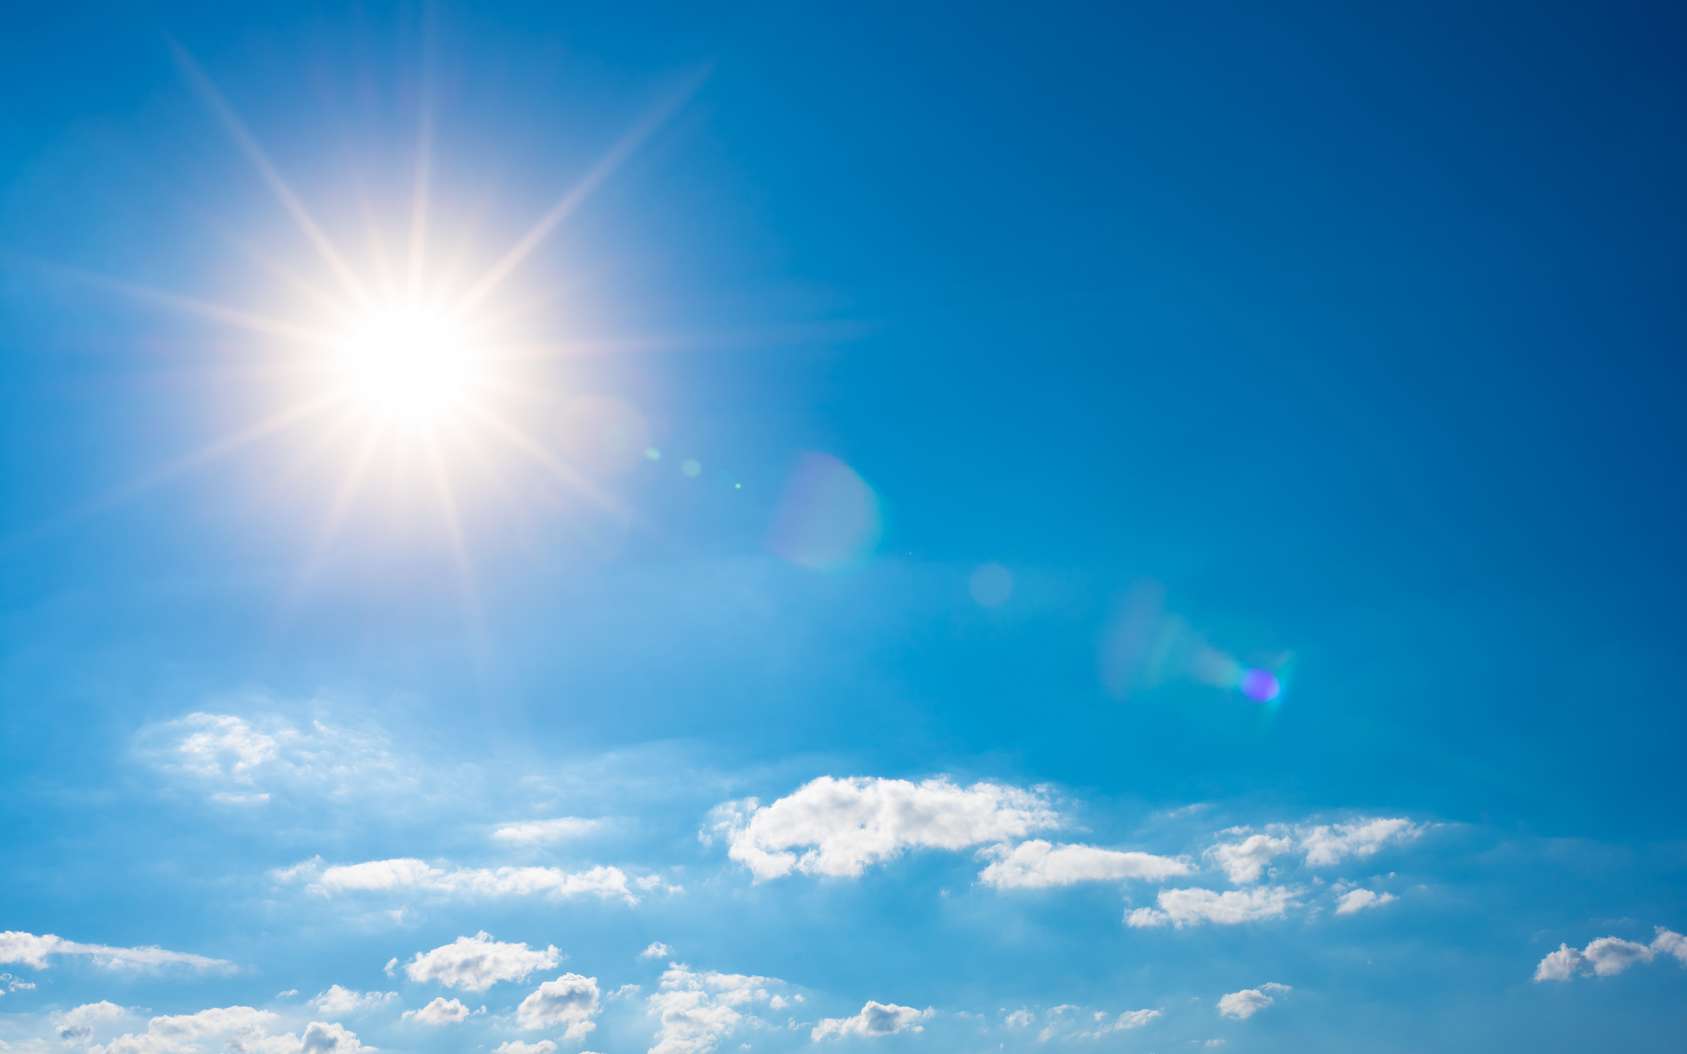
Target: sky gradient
(1142, 527)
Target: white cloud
(34, 950)
(246, 761)
(1356, 900)
(1037, 864)
(1328, 844)
(840, 827)
(476, 963)
(873, 1019)
(240, 1028)
(1250, 1001)
(320, 1038)
(1245, 861)
(409, 874)
(439, 1012)
(1669, 942)
(570, 1003)
(697, 1009)
(1609, 956)
(656, 950)
(516, 1046)
(1020, 1018)
(339, 1001)
(1189, 907)
(80, 1023)
(545, 832)
(1125, 1022)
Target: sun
(409, 365)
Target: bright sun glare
(410, 365)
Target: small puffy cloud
(697, 1009)
(238, 760)
(840, 827)
(873, 1019)
(439, 1012)
(545, 832)
(516, 1046)
(1356, 900)
(1328, 844)
(322, 1038)
(1609, 956)
(1039, 864)
(656, 950)
(1669, 942)
(1190, 907)
(339, 1001)
(570, 1003)
(34, 950)
(80, 1023)
(1020, 1018)
(1249, 1001)
(407, 874)
(1244, 861)
(476, 963)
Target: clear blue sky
(1134, 527)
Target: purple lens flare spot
(1260, 685)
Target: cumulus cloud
(516, 1046)
(1250, 1001)
(696, 1009)
(873, 1019)
(656, 950)
(439, 1012)
(544, 832)
(1038, 864)
(476, 963)
(1328, 844)
(840, 827)
(241, 1028)
(238, 760)
(1190, 907)
(1609, 956)
(1356, 900)
(339, 1001)
(1244, 861)
(320, 1038)
(407, 874)
(80, 1023)
(570, 1003)
(34, 950)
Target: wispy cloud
(35, 950)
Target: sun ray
(564, 472)
(271, 175)
(207, 309)
(344, 493)
(177, 467)
(594, 178)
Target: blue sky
(1132, 528)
